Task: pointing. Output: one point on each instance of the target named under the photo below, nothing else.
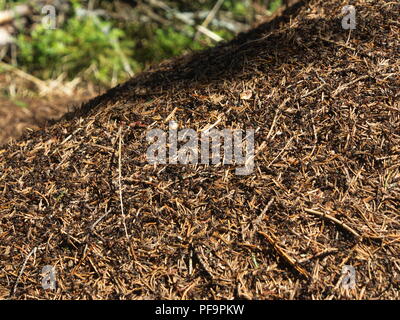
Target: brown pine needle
(334, 220)
(284, 255)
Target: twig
(279, 154)
(346, 85)
(70, 136)
(319, 255)
(22, 269)
(313, 91)
(284, 255)
(337, 43)
(276, 117)
(170, 115)
(175, 13)
(99, 219)
(262, 214)
(209, 17)
(120, 183)
(42, 86)
(209, 33)
(333, 219)
(124, 59)
(199, 254)
(148, 11)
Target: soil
(20, 114)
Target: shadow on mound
(214, 64)
(274, 39)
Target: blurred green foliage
(87, 47)
(104, 50)
(165, 43)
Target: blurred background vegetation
(103, 43)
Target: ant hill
(302, 201)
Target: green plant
(88, 47)
(168, 43)
(237, 8)
(274, 5)
(102, 51)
